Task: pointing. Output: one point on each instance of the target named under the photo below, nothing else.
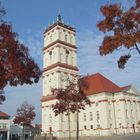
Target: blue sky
(30, 17)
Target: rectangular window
(71, 60)
(110, 125)
(84, 116)
(120, 125)
(109, 114)
(70, 39)
(50, 38)
(61, 57)
(132, 113)
(97, 103)
(62, 118)
(98, 126)
(85, 127)
(66, 58)
(98, 116)
(91, 117)
(4, 125)
(126, 113)
(50, 118)
(91, 127)
(50, 57)
(66, 38)
(119, 113)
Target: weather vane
(59, 16)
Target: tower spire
(59, 16)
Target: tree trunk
(77, 115)
(137, 48)
(69, 125)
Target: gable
(131, 90)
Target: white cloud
(89, 60)
(34, 41)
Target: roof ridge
(4, 114)
(108, 81)
(100, 80)
(98, 83)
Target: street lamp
(30, 134)
(22, 124)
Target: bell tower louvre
(59, 62)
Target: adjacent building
(4, 126)
(22, 131)
(113, 110)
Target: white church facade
(113, 110)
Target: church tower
(59, 62)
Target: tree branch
(137, 48)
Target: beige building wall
(109, 113)
(117, 113)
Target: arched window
(67, 56)
(98, 116)
(50, 38)
(50, 55)
(66, 38)
(91, 116)
(72, 60)
(60, 34)
(50, 118)
(70, 38)
(84, 116)
(60, 58)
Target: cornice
(60, 24)
(61, 42)
(59, 64)
(48, 98)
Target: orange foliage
(124, 27)
(25, 114)
(16, 65)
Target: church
(113, 110)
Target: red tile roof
(97, 83)
(3, 114)
(125, 88)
